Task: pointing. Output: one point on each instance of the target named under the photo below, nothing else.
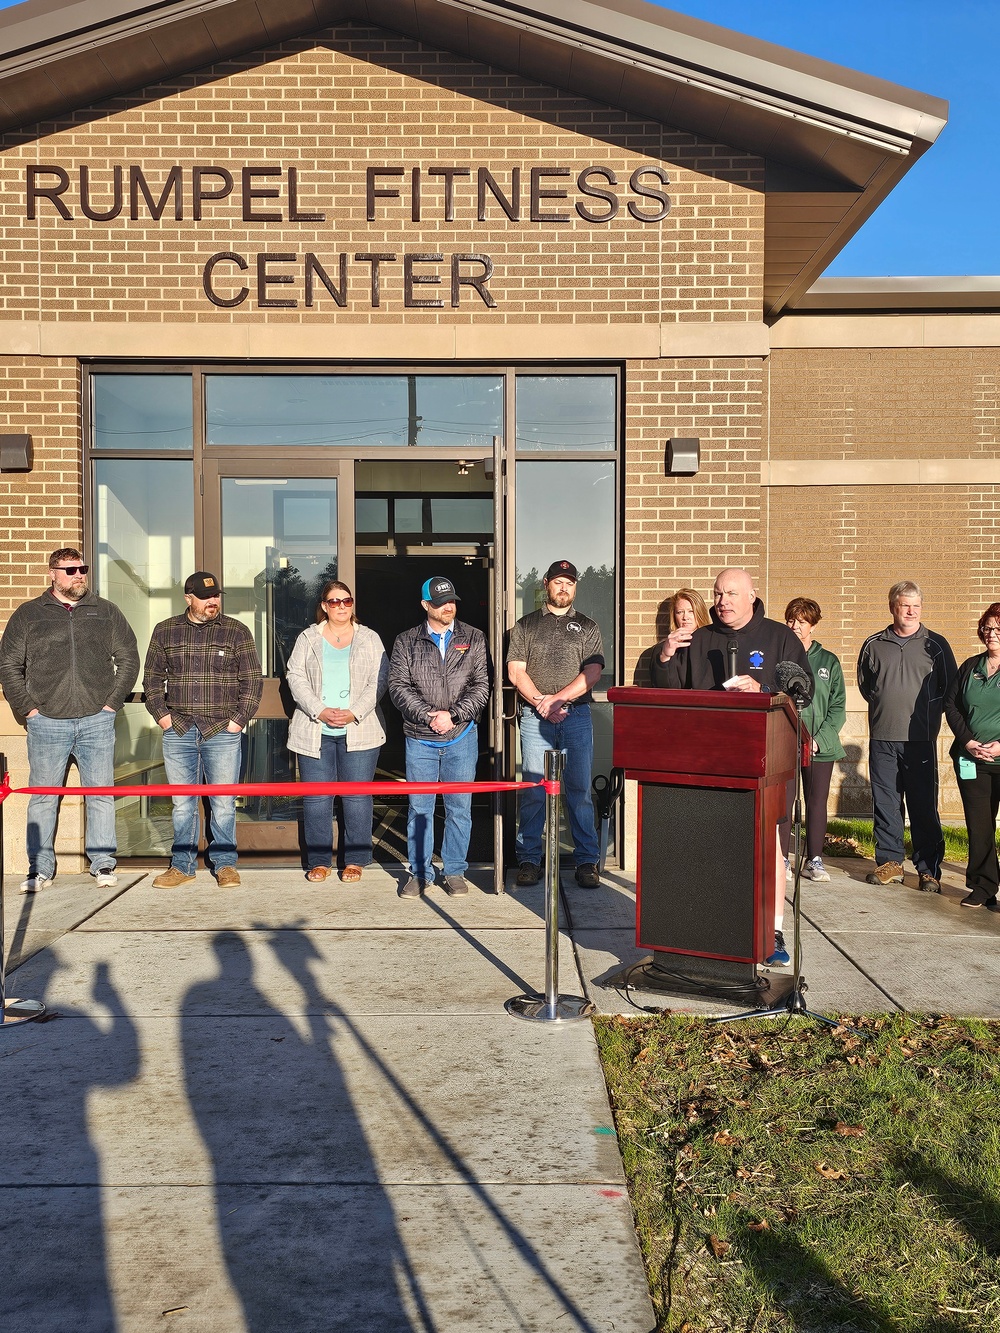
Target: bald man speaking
(738, 619)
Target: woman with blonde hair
(337, 673)
(688, 612)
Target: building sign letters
(545, 195)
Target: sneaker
(172, 878)
(105, 879)
(789, 875)
(889, 872)
(528, 873)
(928, 884)
(455, 886)
(780, 956)
(228, 877)
(815, 869)
(35, 882)
(978, 898)
(413, 888)
(587, 876)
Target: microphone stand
(794, 1002)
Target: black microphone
(733, 652)
(794, 681)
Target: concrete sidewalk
(295, 1108)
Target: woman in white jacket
(337, 673)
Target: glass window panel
(142, 412)
(279, 544)
(464, 513)
(408, 514)
(371, 514)
(144, 525)
(566, 412)
(566, 511)
(354, 410)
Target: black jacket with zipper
(422, 682)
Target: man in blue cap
(439, 681)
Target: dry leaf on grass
(723, 1139)
(829, 1172)
(718, 1247)
(848, 1131)
(762, 1225)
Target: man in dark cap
(554, 660)
(439, 680)
(203, 683)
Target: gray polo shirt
(555, 649)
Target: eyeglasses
(990, 629)
(340, 601)
(73, 569)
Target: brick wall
(356, 97)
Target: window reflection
(142, 411)
(361, 410)
(566, 511)
(566, 412)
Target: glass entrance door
(275, 533)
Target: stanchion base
(21, 1011)
(567, 1008)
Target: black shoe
(928, 884)
(454, 886)
(978, 898)
(992, 905)
(528, 873)
(587, 877)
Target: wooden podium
(712, 770)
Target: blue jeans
(52, 741)
(192, 758)
(574, 735)
(336, 763)
(449, 763)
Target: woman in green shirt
(823, 719)
(972, 707)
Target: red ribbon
(279, 789)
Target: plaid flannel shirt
(202, 675)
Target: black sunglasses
(73, 569)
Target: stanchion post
(552, 1007)
(12, 1012)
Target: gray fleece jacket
(904, 681)
(67, 662)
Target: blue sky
(942, 219)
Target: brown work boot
(889, 872)
(228, 877)
(172, 878)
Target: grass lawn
(789, 1177)
(847, 837)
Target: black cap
(438, 591)
(202, 584)
(561, 569)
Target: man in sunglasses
(68, 661)
(203, 683)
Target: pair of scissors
(607, 793)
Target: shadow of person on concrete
(55, 1268)
(308, 1233)
(488, 1264)
(854, 796)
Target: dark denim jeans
(336, 763)
(574, 735)
(450, 763)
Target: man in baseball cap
(439, 681)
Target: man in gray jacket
(903, 674)
(439, 679)
(68, 661)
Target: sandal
(350, 874)
(318, 874)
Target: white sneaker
(815, 869)
(105, 879)
(35, 882)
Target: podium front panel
(696, 870)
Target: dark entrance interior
(415, 520)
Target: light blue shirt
(336, 682)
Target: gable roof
(835, 142)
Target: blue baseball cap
(437, 591)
